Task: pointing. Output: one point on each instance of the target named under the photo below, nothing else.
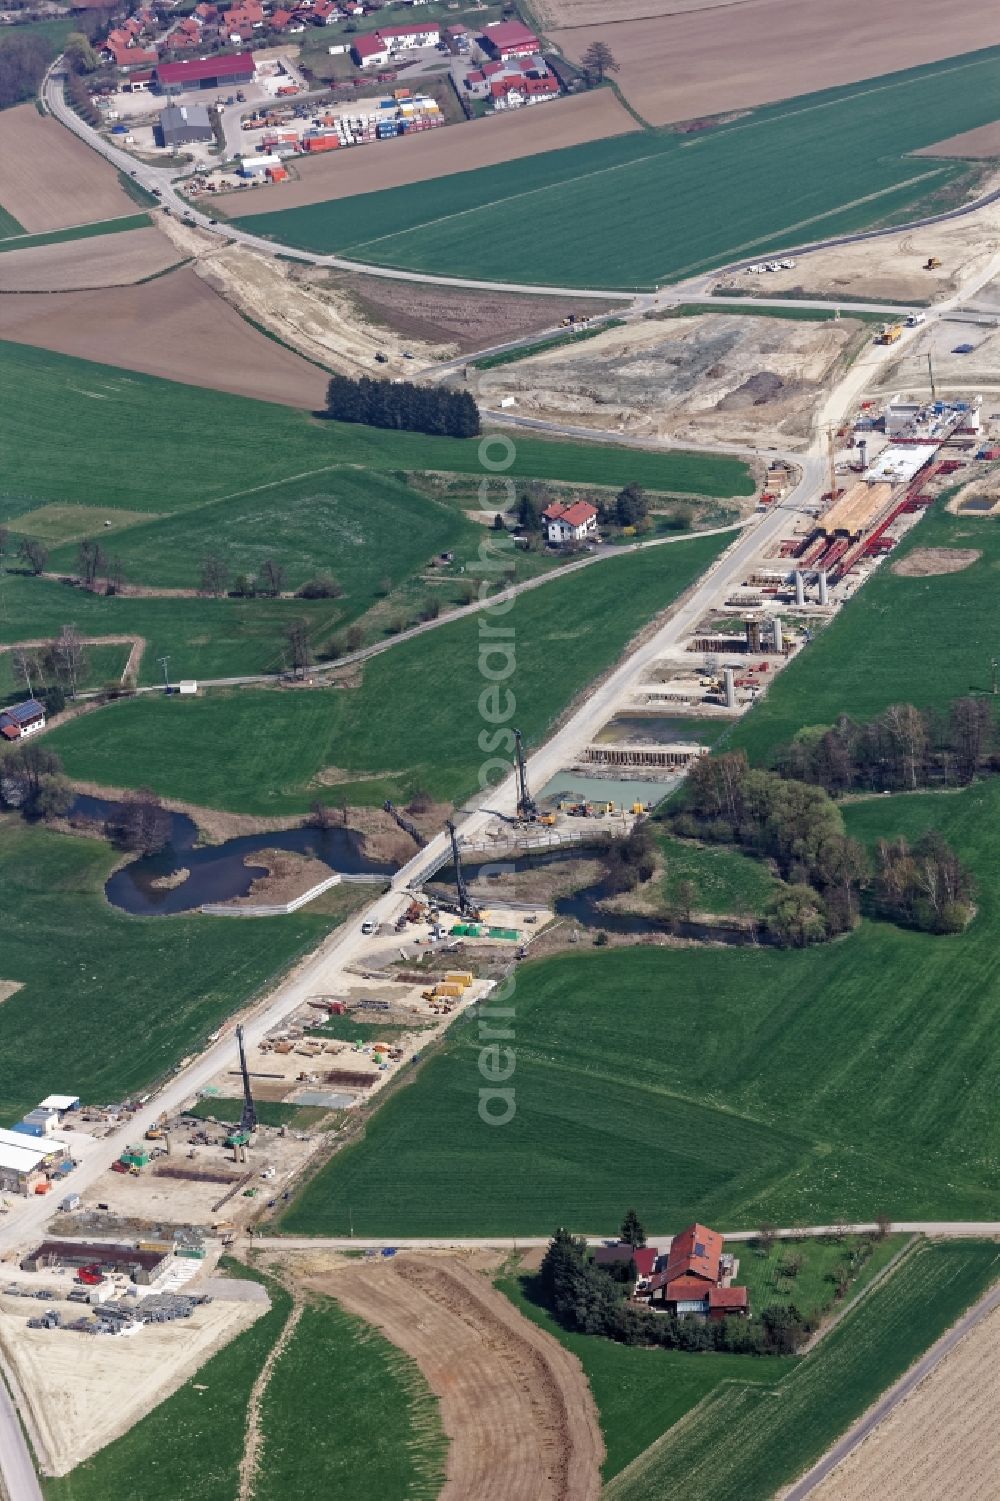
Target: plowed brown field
(104, 261)
(439, 153)
(982, 144)
(704, 62)
(175, 327)
(49, 179)
(943, 1441)
(515, 1404)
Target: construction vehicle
(932, 263)
(889, 333)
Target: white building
(573, 523)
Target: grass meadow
(731, 1086)
(751, 1441)
(719, 880)
(642, 1392)
(346, 1413)
(659, 205)
(412, 722)
(110, 1002)
(209, 473)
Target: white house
(572, 523)
(22, 719)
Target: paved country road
(892, 1398)
(17, 1473)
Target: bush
(324, 586)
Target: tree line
(824, 871)
(899, 750)
(32, 780)
(403, 405)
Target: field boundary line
(891, 1266)
(769, 239)
(477, 208)
(254, 1438)
(891, 1399)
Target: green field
(725, 882)
(749, 1441)
(192, 1444)
(232, 445)
(78, 232)
(923, 641)
(346, 1413)
(110, 1002)
(731, 1086)
(269, 1112)
(8, 224)
(640, 1393)
(659, 205)
(105, 664)
(251, 482)
(413, 722)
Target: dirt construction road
(515, 1405)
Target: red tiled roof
(695, 1251)
(507, 33)
(645, 1260)
(193, 70)
(679, 1289)
(368, 46)
(576, 514)
(728, 1297)
(132, 57)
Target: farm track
(251, 1453)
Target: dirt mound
(515, 1404)
(925, 561)
(762, 387)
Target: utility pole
(930, 372)
(832, 460)
(163, 661)
(995, 672)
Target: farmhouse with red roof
(698, 1277)
(572, 523)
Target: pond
(217, 872)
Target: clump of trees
(798, 826)
(591, 1299)
(32, 779)
(54, 671)
(24, 57)
(631, 861)
(403, 405)
(597, 62)
(899, 750)
(922, 886)
(140, 823)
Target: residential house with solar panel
(22, 719)
(698, 1278)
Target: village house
(21, 720)
(522, 81)
(376, 49)
(698, 1278)
(573, 523)
(645, 1258)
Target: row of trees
(591, 1299)
(268, 582)
(902, 748)
(403, 405)
(799, 827)
(53, 671)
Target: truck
(914, 320)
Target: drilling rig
(466, 906)
(527, 808)
(247, 1128)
